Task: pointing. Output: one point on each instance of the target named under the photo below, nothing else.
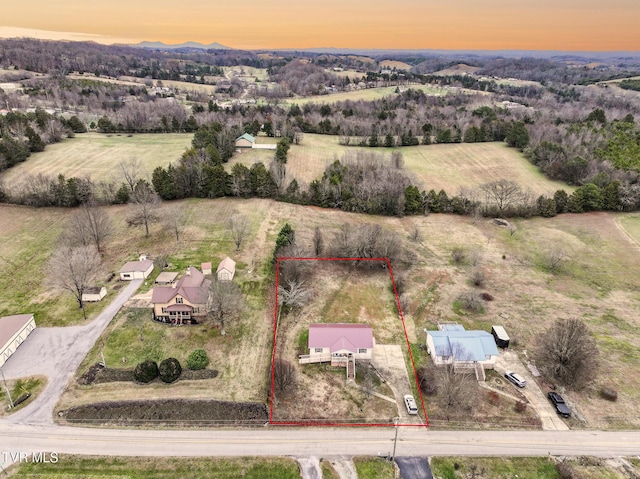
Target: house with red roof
(184, 301)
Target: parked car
(516, 379)
(410, 403)
(559, 404)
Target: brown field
(458, 69)
(449, 167)
(395, 64)
(97, 155)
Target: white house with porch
(340, 344)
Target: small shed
(245, 141)
(94, 294)
(501, 336)
(207, 268)
(136, 270)
(226, 269)
(166, 277)
(13, 332)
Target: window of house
(362, 351)
(318, 350)
(178, 300)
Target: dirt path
(636, 243)
(57, 354)
(345, 468)
(309, 467)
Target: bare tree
(144, 203)
(130, 170)
(225, 303)
(284, 376)
(456, 389)
(239, 227)
(75, 268)
(294, 295)
(318, 241)
(416, 235)
(503, 193)
(278, 171)
(90, 226)
(568, 353)
(175, 220)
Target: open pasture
(97, 155)
(367, 94)
(448, 166)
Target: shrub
(478, 277)
(471, 301)
(494, 398)
(520, 406)
(458, 255)
(486, 296)
(146, 371)
(428, 381)
(198, 359)
(609, 393)
(169, 370)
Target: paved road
(319, 442)
(57, 354)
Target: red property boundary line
(273, 352)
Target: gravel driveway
(388, 359)
(57, 354)
(509, 361)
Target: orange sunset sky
(404, 24)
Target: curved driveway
(57, 354)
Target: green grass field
(160, 468)
(495, 468)
(448, 166)
(97, 155)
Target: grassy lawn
(160, 467)
(374, 468)
(494, 467)
(96, 155)
(33, 385)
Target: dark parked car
(515, 379)
(559, 404)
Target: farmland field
(448, 167)
(368, 94)
(96, 155)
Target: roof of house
(450, 327)
(340, 336)
(464, 345)
(227, 264)
(193, 287)
(167, 277)
(246, 136)
(10, 325)
(204, 266)
(501, 333)
(133, 266)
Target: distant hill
(182, 46)
(459, 69)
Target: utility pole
(7, 389)
(395, 439)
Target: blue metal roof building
(454, 344)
